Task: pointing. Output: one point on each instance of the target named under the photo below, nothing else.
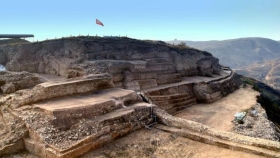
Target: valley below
(258, 58)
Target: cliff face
(64, 56)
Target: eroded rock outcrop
(208, 66)
(13, 81)
(65, 119)
(152, 63)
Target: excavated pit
(101, 102)
(68, 118)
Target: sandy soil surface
(155, 143)
(220, 113)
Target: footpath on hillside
(156, 143)
(220, 113)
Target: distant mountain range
(267, 72)
(238, 53)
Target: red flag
(99, 22)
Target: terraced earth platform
(88, 105)
(71, 126)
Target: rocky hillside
(267, 72)
(240, 52)
(133, 63)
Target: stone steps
(175, 107)
(210, 97)
(167, 88)
(58, 89)
(227, 85)
(110, 113)
(123, 111)
(172, 88)
(145, 79)
(171, 96)
(174, 102)
(89, 105)
(121, 122)
(204, 138)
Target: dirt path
(155, 143)
(220, 113)
(158, 144)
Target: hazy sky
(143, 19)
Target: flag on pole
(99, 22)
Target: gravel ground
(256, 124)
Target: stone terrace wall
(126, 59)
(51, 90)
(174, 97)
